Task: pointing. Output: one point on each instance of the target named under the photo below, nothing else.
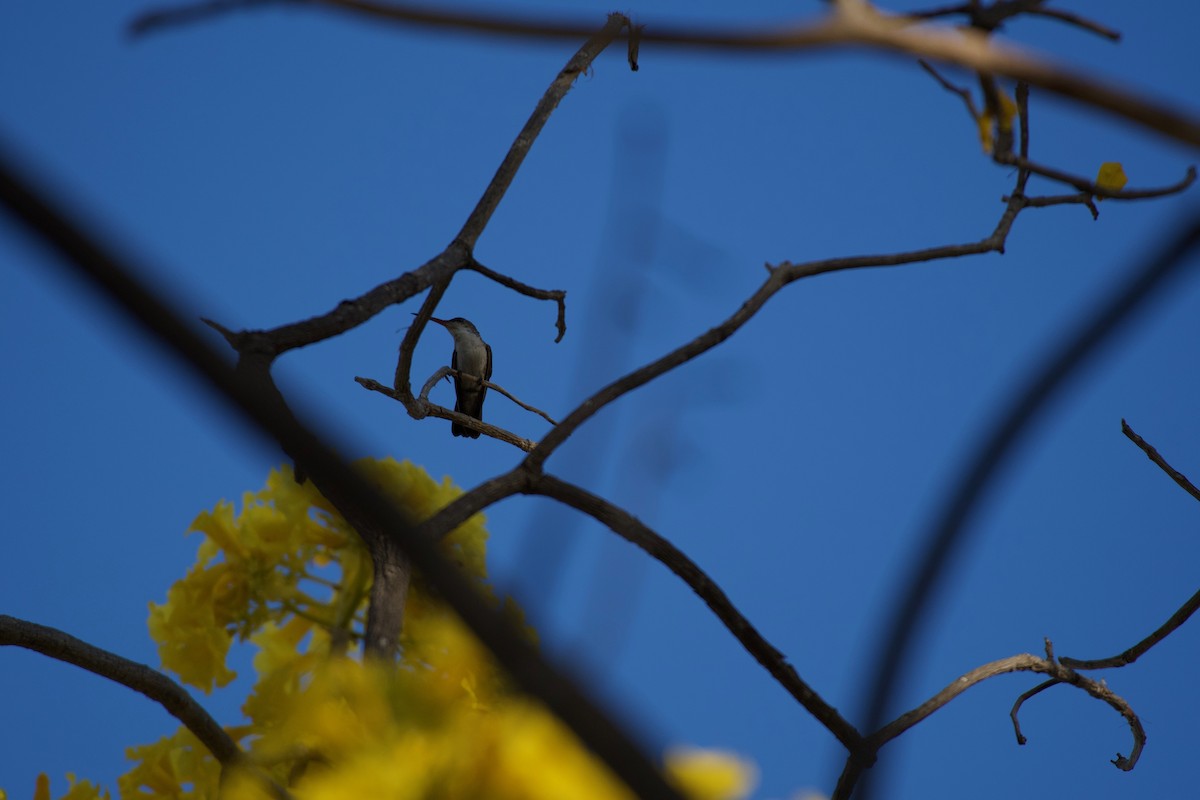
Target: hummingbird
(473, 360)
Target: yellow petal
(711, 774)
(1111, 176)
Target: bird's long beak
(441, 322)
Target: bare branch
(846, 26)
(525, 406)
(635, 532)
(963, 93)
(1153, 455)
(778, 276)
(444, 372)
(523, 481)
(557, 295)
(426, 408)
(533, 126)
(1133, 653)
(944, 11)
(1083, 199)
(1093, 189)
(1024, 662)
(1078, 21)
(1146, 279)
(990, 17)
(466, 505)
(174, 699)
(1041, 687)
(860, 760)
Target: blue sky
(267, 165)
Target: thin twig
(430, 409)
(442, 372)
(1153, 455)
(1041, 687)
(557, 295)
(1133, 653)
(943, 11)
(992, 16)
(1091, 187)
(961, 91)
(1083, 199)
(523, 405)
(445, 372)
(1078, 21)
(553, 95)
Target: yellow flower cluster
(288, 574)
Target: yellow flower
(178, 767)
(192, 643)
(83, 790)
(711, 774)
(287, 573)
(1111, 176)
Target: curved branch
(1134, 653)
(1023, 662)
(946, 536)
(861, 759)
(632, 530)
(628, 527)
(174, 699)
(1020, 701)
(349, 314)
(470, 503)
(557, 295)
(778, 276)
